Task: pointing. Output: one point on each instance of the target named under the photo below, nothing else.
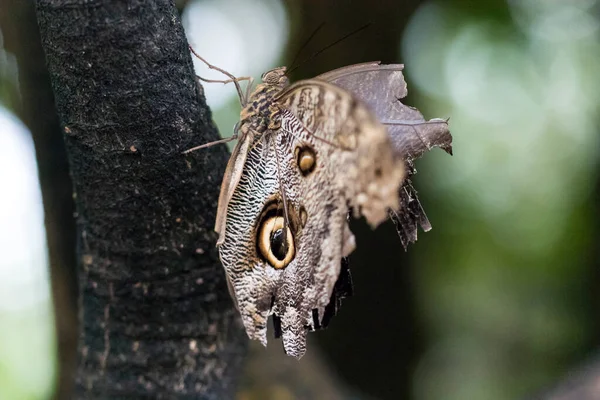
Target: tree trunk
(156, 318)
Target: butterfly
(307, 153)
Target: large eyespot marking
(306, 159)
(275, 243)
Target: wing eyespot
(275, 244)
(306, 160)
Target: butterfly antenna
(354, 32)
(306, 42)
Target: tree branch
(156, 318)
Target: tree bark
(156, 318)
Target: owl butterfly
(307, 153)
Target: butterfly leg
(226, 81)
(210, 144)
(231, 77)
(249, 87)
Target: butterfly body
(261, 111)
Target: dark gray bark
(156, 318)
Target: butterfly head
(276, 77)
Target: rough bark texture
(36, 109)
(156, 318)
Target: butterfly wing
(329, 153)
(251, 279)
(260, 287)
(355, 143)
(231, 178)
(354, 167)
(381, 87)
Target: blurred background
(499, 301)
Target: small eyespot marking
(306, 159)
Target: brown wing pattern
(358, 146)
(381, 87)
(354, 166)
